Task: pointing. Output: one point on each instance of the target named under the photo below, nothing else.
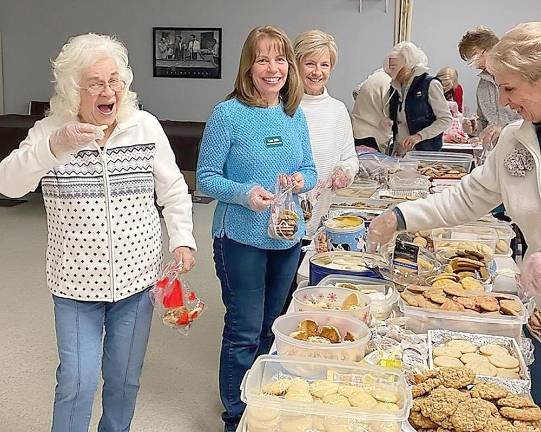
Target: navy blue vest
(418, 112)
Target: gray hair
(411, 53)
(519, 51)
(78, 54)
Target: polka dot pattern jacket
(104, 232)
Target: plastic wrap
(284, 219)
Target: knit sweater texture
(245, 146)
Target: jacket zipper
(109, 221)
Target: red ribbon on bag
(174, 298)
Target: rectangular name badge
(274, 141)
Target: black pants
(367, 142)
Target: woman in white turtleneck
(329, 124)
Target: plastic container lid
(407, 180)
(268, 368)
(304, 300)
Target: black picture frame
(174, 55)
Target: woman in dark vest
(417, 105)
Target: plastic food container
(342, 262)
(345, 232)
(462, 160)
(303, 300)
(362, 188)
(275, 413)
(452, 237)
(406, 181)
(344, 351)
(382, 293)
(421, 320)
(504, 233)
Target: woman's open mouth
(106, 109)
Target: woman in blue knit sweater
(258, 133)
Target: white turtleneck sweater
(331, 139)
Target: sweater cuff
(400, 220)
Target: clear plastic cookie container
(371, 399)
(352, 351)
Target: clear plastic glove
(530, 275)
(411, 141)
(489, 136)
(469, 125)
(259, 199)
(295, 181)
(340, 179)
(72, 137)
(381, 230)
(184, 259)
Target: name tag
(274, 141)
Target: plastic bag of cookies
(284, 219)
(177, 304)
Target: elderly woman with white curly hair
(417, 106)
(510, 174)
(100, 161)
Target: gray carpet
(179, 390)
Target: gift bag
(177, 304)
(284, 219)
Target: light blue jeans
(83, 348)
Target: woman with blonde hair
(329, 124)
(250, 139)
(510, 173)
(452, 90)
(100, 162)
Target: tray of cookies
(333, 397)
(450, 399)
(494, 359)
(432, 308)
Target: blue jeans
(83, 348)
(255, 283)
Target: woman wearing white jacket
(100, 161)
(329, 124)
(510, 174)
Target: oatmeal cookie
(525, 414)
(425, 387)
(499, 424)
(418, 420)
(523, 426)
(516, 401)
(442, 403)
(456, 377)
(488, 391)
(471, 416)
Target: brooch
(519, 162)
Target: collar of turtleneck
(316, 99)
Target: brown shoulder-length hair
(245, 91)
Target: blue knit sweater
(236, 154)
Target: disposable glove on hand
(530, 275)
(381, 230)
(489, 135)
(259, 199)
(184, 258)
(340, 179)
(72, 137)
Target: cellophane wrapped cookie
(284, 219)
(178, 305)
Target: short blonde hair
(313, 41)
(478, 38)
(411, 53)
(245, 91)
(519, 51)
(448, 78)
(77, 55)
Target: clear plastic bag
(178, 305)
(284, 219)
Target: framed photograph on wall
(187, 52)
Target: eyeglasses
(474, 59)
(97, 88)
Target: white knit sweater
(331, 138)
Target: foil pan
(518, 386)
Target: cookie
(484, 369)
(507, 373)
(446, 351)
(450, 305)
(362, 399)
(299, 385)
(418, 420)
(322, 388)
(455, 289)
(336, 400)
(516, 401)
(504, 361)
(445, 361)
(472, 357)
(489, 304)
(488, 391)
(309, 326)
(385, 406)
(436, 295)
(523, 426)
(510, 307)
(383, 394)
(331, 333)
(471, 416)
(441, 403)
(463, 345)
(492, 349)
(524, 414)
(410, 298)
(278, 387)
(347, 390)
(299, 396)
(470, 283)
